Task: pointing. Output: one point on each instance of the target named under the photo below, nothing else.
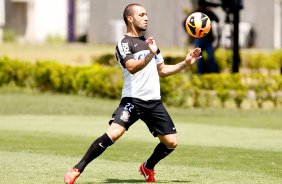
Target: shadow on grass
(111, 180)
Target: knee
(169, 140)
(172, 144)
(115, 131)
(114, 135)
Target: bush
(222, 58)
(16, 71)
(95, 80)
(174, 90)
(107, 59)
(276, 59)
(103, 81)
(42, 75)
(106, 81)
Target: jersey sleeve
(124, 51)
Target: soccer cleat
(147, 173)
(71, 176)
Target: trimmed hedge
(106, 81)
(94, 80)
(253, 61)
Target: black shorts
(152, 112)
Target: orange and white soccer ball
(198, 24)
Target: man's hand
(152, 45)
(192, 56)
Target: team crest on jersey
(125, 116)
(125, 48)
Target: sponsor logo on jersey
(125, 48)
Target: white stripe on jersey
(121, 51)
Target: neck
(131, 31)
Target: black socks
(101, 144)
(160, 152)
(96, 149)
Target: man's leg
(212, 64)
(114, 132)
(100, 145)
(167, 144)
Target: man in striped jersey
(142, 64)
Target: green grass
(44, 135)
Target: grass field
(43, 135)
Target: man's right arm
(134, 66)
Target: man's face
(140, 19)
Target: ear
(130, 18)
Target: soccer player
(142, 64)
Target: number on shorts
(129, 107)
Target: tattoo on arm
(148, 58)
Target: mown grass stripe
(27, 168)
(188, 133)
(13, 103)
(266, 162)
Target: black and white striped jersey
(144, 84)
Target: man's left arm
(167, 70)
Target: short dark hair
(128, 11)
